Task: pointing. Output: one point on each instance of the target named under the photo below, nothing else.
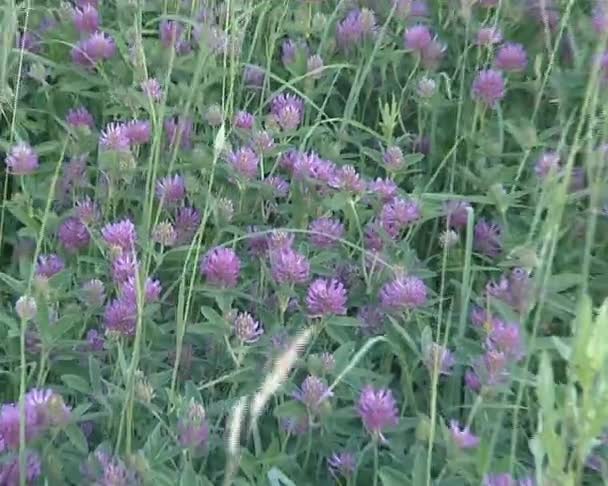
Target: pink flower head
(457, 213)
(152, 88)
(254, 76)
(187, 222)
(398, 214)
(73, 234)
(121, 235)
(86, 19)
(280, 240)
(246, 328)
(114, 137)
(193, 430)
(262, 142)
(138, 132)
(326, 297)
(403, 293)
(506, 338)
(87, 211)
(347, 179)
(313, 392)
(120, 316)
(245, 162)
(279, 185)
(487, 238)
(488, 36)
(244, 120)
(80, 118)
(288, 111)
(417, 38)
(438, 357)
(221, 267)
(393, 158)
(384, 189)
(489, 87)
(548, 163)
(22, 160)
(171, 189)
(511, 57)
(377, 409)
(98, 47)
(326, 232)
(462, 436)
(179, 129)
(356, 27)
(287, 266)
(124, 267)
(151, 291)
(49, 265)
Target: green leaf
(77, 438)
(76, 382)
(393, 477)
(276, 477)
(188, 476)
(546, 386)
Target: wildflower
(511, 57)
(472, 381)
(73, 235)
(47, 408)
(93, 293)
(426, 88)
(124, 267)
(10, 474)
(22, 160)
(289, 158)
(120, 317)
(289, 50)
(463, 437)
(193, 430)
(326, 232)
(94, 341)
(86, 19)
(514, 290)
(448, 239)
(421, 145)
(358, 25)
(80, 118)
(26, 308)
(224, 209)
(548, 163)
(393, 158)
(214, 115)
(244, 120)
(377, 409)
(138, 132)
(49, 265)
(279, 185)
(346, 178)
(404, 293)
(287, 110)
(114, 137)
(431, 56)
(419, 8)
(121, 235)
(28, 41)
(489, 87)
(488, 36)
(171, 189)
(371, 321)
(490, 369)
(179, 129)
(438, 357)
(87, 211)
(152, 89)
(280, 240)
(599, 21)
(246, 328)
(164, 233)
(245, 162)
(221, 267)
(328, 362)
(254, 76)
(288, 266)
(98, 47)
(417, 38)
(506, 338)
(314, 66)
(487, 238)
(385, 189)
(313, 392)
(171, 33)
(151, 291)
(326, 297)
(481, 318)
(187, 222)
(398, 214)
(262, 142)
(457, 213)
(342, 464)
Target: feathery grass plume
(279, 374)
(233, 439)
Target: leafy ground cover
(304, 242)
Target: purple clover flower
(511, 57)
(120, 317)
(403, 293)
(244, 120)
(488, 36)
(288, 266)
(341, 464)
(548, 163)
(98, 47)
(124, 267)
(398, 214)
(326, 297)
(187, 222)
(138, 132)
(73, 235)
(47, 408)
(487, 238)
(152, 290)
(22, 160)
(462, 436)
(180, 129)
(254, 76)
(193, 430)
(114, 137)
(221, 267)
(93, 293)
(262, 142)
(457, 213)
(287, 110)
(599, 20)
(417, 38)
(121, 235)
(489, 87)
(371, 321)
(503, 479)
(86, 19)
(87, 211)
(49, 265)
(356, 27)
(347, 179)
(437, 356)
(280, 240)
(326, 232)
(378, 410)
(171, 189)
(80, 118)
(393, 158)
(279, 186)
(506, 338)
(245, 162)
(28, 41)
(385, 189)
(94, 341)
(246, 328)
(312, 393)
(152, 89)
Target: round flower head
(347, 179)
(280, 240)
(138, 132)
(88, 52)
(457, 213)
(49, 265)
(385, 189)
(506, 338)
(121, 235)
(417, 38)
(358, 25)
(313, 392)
(342, 464)
(26, 308)
(48, 408)
(448, 239)
(22, 160)
(94, 341)
(326, 297)
(288, 111)
(171, 189)
(164, 233)
(438, 357)
(393, 158)
(114, 137)
(151, 291)
(214, 115)
(246, 328)
(262, 142)
(472, 381)
(548, 163)
(86, 19)
(328, 361)
(179, 129)
(187, 222)
(280, 186)
(152, 89)
(28, 41)
(87, 211)
(288, 266)
(488, 36)
(245, 162)
(170, 33)
(426, 88)
(74, 235)
(254, 76)
(314, 66)
(93, 293)
(221, 267)
(371, 320)
(489, 87)
(463, 437)
(193, 430)
(599, 21)
(124, 267)
(120, 317)
(80, 118)
(398, 214)
(244, 120)
(404, 293)
(326, 232)
(377, 409)
(289, 50)
(487, 238)
(511, 57)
